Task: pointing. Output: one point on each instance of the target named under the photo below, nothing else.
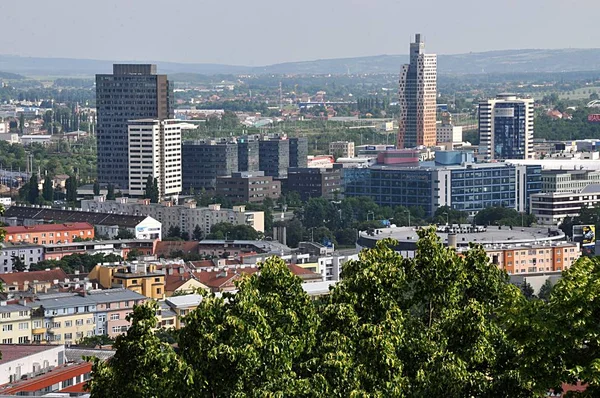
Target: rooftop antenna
(280, 97)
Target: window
(56, 325)
(6, 328)
(68, 336)
(79, 322)
(68, 324)
(37, 324)
(6, 341)
(23, 325)
(114, 317)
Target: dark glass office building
(131, 92)
(299, 152)
(510, 132)
(274, 156)
(204, 161)
(248, 155)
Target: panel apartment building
(131, 92)
(417, 98)
(155, 150)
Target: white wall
(23, 366)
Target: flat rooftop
(492, 235)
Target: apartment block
(274, 156)
(28, 254)
(15, 323)
(446, 133)
(205, 160)
(417, 98)
(186, 217)
(131, 92)
(341, 149)
(49, 233)
(155, 150)
(140, 277)
(32, 281)
(506, 128)
(568, 180)
(248, 187)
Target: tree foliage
(233, 232)
(48, 190)
(503, 216)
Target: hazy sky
(260, 32)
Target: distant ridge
(505, 61)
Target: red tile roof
(49, 379)
(47, 228)
(172, 282)
(222, 278)
(166, 248)
(42, 276)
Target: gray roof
(267, 246)
(13, 308)
(92, 298)
(114, 295)
(76, 354)
(62, 302)
(36, 213)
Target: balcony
(41, 330)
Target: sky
(263, 32)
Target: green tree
(546, 290)
(48, 189)
(18, 264)
(72, 185)
(34, 190)
(427, 326)
(134, 254)
(503, 216)
(110, 195)
(95, 341)
(527, 290)
(96, 188)
(446, 213)
(123, 233)
(151, 192)
(253, 342)
(233, 232)
(21, 123)
(142, 366)
(198, 233)
(174, 232)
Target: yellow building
(166, 317)
(15, 324)
(142, 278)
(182, 306)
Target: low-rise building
(341, 149)
(568, 180)
(34, 281)
(553, 208)
(25, 360)
(144, 247)
(26, 253)
(448, 133)
(49, 233)
(15, 324)
(141, 277)
(248, 187)
(185, 217)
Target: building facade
(15, 324)
(553, 207)
(248, 154)
(155, 150)
(27, 254)
(568, 180)
(131, 92)
(248, 187)
(341, 149)
(448, 133)
(506, 128)
(205, 160)
(49, 233)
(274, 156)
(298, 152)
(417, 98)
(315, 183)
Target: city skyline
(242, 26)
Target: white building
(506, 128)
(186, 217)
(29, 254)
(342, 149)
(449, 133)
(29, 360)
(154, 149)
(552, 208)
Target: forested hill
(505, 61)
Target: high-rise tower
(132, 92)
(506, 128)
(417, 98)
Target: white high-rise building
(417, 98)
(154, 149)
(506, 128)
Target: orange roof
(48, 228)
(49, 379)
(222, 278)
(172, 282)
(166, 248)
(19, 278)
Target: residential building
(15, 324)
(120, 247)
(553, 207)
(49, 233)
(534, 257)
(182, 306)
(274, 156)
(155, 150)
(417, 98)
(341, 149)
(248, 187)
(185, 217)
(298, 152)
(205, 160)
(28, 254)
(506, 128)
(468, 187)
(112, 308)
(34, 281)
(141, 277)
(248, 154)
(568, 180)
(23, 359)
(131, 92)
(106, 223)
(448, 133)
(315, 183)
(237, 248)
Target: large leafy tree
(427, 326)
(252, 343)
(48, 189)
(143, 366)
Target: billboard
(594, 118)
(586, 236)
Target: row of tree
(439, 324)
